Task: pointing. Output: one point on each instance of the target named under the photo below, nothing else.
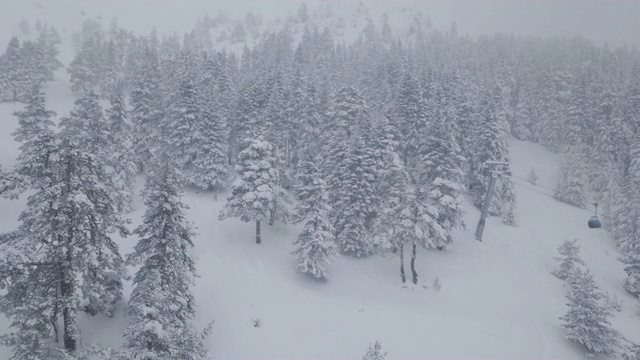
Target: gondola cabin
(594, 223)
(476, 185)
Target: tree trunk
(258, 239)
(287, 151)
(67, 290)
(271, 217)
(68, 311)
(68, 318)
(413, 264)
(54, 323)
(402, 274)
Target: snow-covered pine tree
(549, 108)
(85, 140)
(441, 174)
(569, 258)
(211, 148)
(578, 129)
(111, 78)
(312, 119)
(10, 71)
(587, 321)
(180, 129)
(349, 167)
(410, 114)
(144, 114)
(84, 69)
(630, 249)
(121, 146)
(277, 117)
(626, 228)
(296, 117)
(255, 192)
(490, 144)
(248, 113)
(33, 67)
(354, 205)
(572, 182)
(375, 352)
(48, 40)
(35, 132)
(394, 186)
(316, 245)
(161, 306)
(522, 121)
(633, 352)
(62, 250)
(611, 146)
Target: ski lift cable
(542, 186)
(550, 196)
(534, 190)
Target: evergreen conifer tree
(256, 193)
(35, 132)
(441, 174)
(353, 209)
(144, 113)
(627, 232)
(572, 182)
(316, 243)
(121, 144)
(491, 145)
(568, 259)
(62, 251)
(375, 352)
(11, 71)
(161, 305)
(587, 321)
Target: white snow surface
(498, 298)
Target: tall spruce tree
(35, 132)
(11, 71)
(121, 146)
(180, 127)
(572, 183)
(569, 258)
(411, 116)
(491, 145)
(143, 102)
(161, 306)
(354, 205)
(587, 321)
(86, 131)
(316, 245)
(211, 148)
(441, 174)
(255, 193)
(30, 302)
(62, 251)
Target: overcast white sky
(614, 21)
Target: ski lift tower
(496, 168)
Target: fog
(612, 21)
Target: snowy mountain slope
(229, 27)
(498, 299)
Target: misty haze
(321, 179)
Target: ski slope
(498, 299)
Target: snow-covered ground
(498, 299)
